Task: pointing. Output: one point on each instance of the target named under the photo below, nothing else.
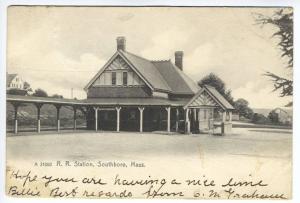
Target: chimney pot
(121, 43)
(179, 59)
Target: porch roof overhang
(43, 100)
(98, 101)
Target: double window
(116, 78)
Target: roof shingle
(148, 70)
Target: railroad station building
(131, 93)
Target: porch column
(197, 120)
(230, 116)
(212, 118)
(194, 119)
(118, 118)
(75, 118)
(199, 117)
(57, 117)
(224, 116)
(195, 114)
(169, 118)
(141, 109)
(177, 120)
(96, 118)
(16, 106)
(38, 107)
(187, 121)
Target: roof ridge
(162, 60)
(136, 55)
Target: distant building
(285, 115)
(14, 81)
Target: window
(125, 78)
(113, 78)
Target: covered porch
(196, 115)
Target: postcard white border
(296, 129)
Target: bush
(15, 91)
(40, 93)
(260, 119)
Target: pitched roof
(9, 78)
(148, 70)
(219, 97)
(177, 80)
(160, 75)
(216, 98)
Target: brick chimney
(179, 59)
(121, 43)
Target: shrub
(260, 119)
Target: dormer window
(125, 76)
(113, 78)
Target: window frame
(125, 73)
(114, 78)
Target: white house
(14, 81)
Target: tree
(216, 82)
(242, 106)
(40, 93)
(283, 21)
(27, 88)
(273, 116)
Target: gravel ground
(110, 145)
(259, 154)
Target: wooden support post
(187, 121)
(168, 109)
(141, 118)
(75, 118)
(57, 117)
(197, 120)
(212, 118)
(118, 118)
(224, 117)
(96, 118)
(38, 107)
(16, 106)
(177, 120)
(230, 116)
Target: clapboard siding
(118, 92)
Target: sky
(60, 48)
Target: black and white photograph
(149, 102)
